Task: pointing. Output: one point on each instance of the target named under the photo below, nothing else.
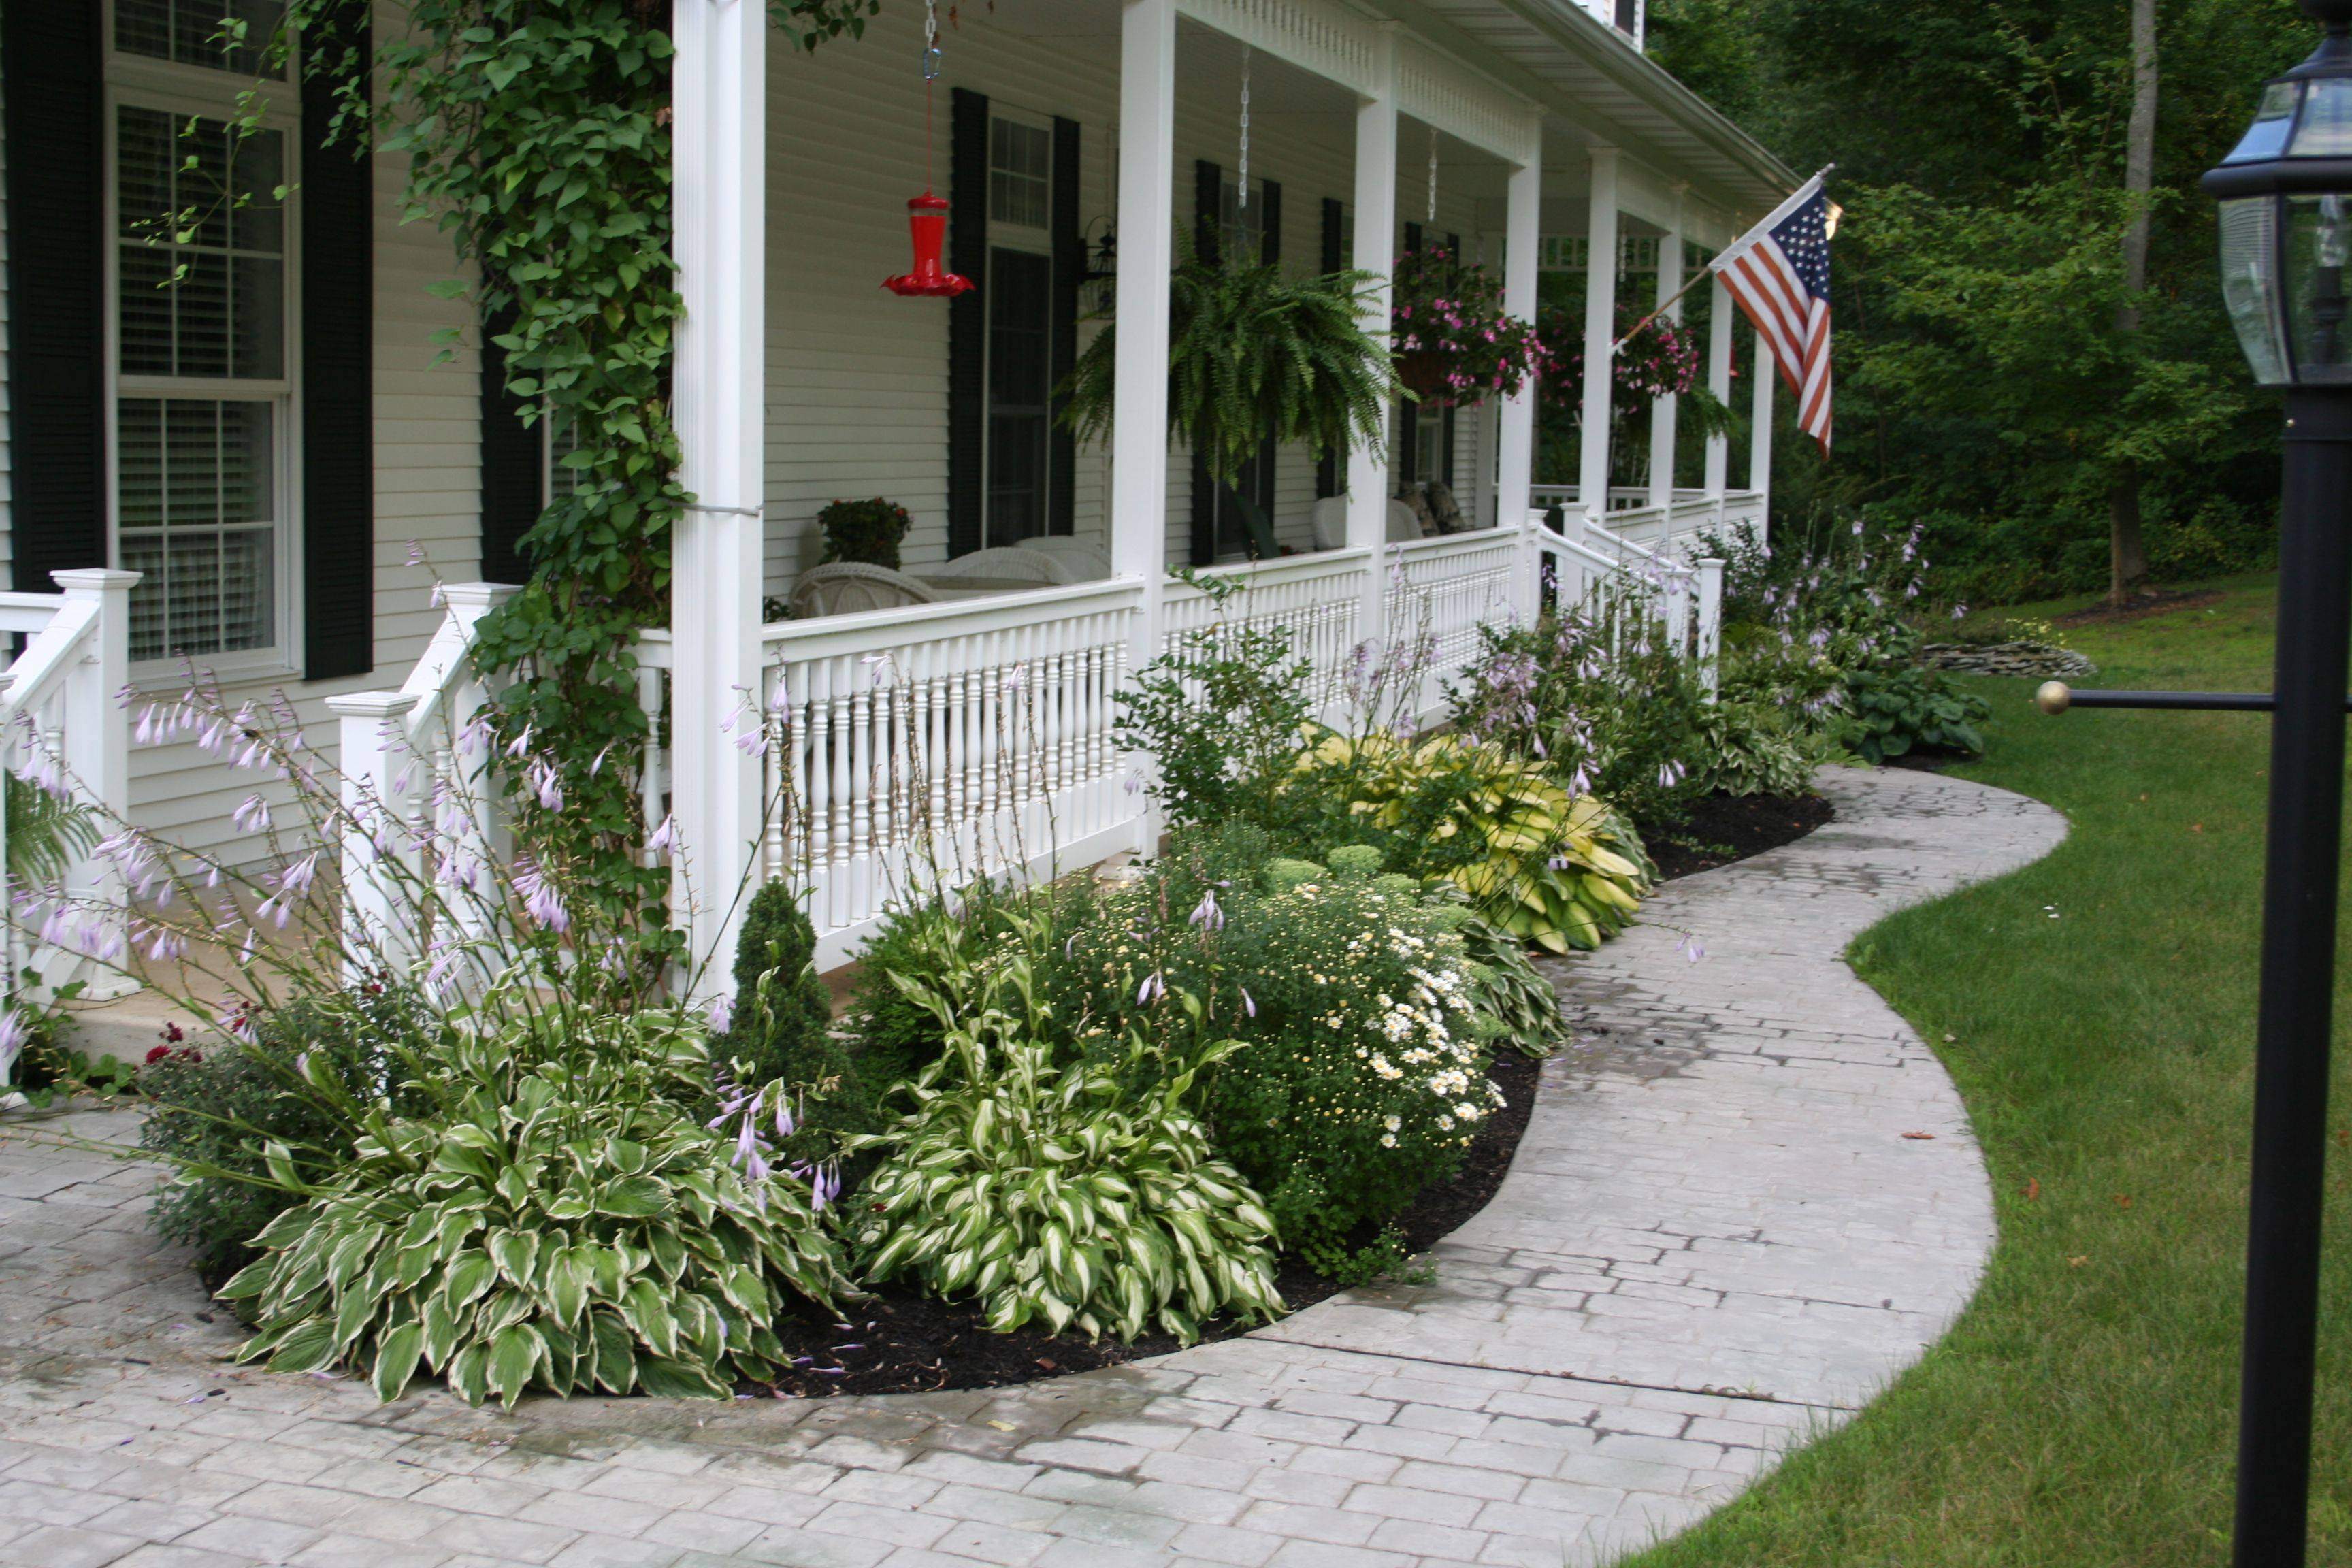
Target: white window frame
(142, 81)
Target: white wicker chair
(1087, 563)
(846, 588)
(1008, 564)
(1329, 522)
(1404, 523)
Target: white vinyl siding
(427, 489)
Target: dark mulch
(1722, 828)
(1929, 760)
(2138, 606)
(901, 1342)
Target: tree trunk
(2126, 552)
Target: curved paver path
(1715, 1241)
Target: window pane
(197, 509)
(215, 305)
(189, 31)
(1020, 161)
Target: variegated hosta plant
(1073, 1193)
(1557, 869)
(561, 1225)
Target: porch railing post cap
(371, 704)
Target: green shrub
(1076, 1192)
(555, 1220)
(213, 1111)
(783, 1029)
(863, 530)
(1354, 862)
(1360, 1079)
(1220, 716)
(1893, 708)
(1282, 873)
(1744, 748)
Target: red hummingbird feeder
(927, 217)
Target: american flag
(1780, 273)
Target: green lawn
(2082, 1412)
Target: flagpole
(1709, 269)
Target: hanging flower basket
(1453, 344)
(1661, 360)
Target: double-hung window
(202, 255)
(1019, 327)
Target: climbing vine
(538, 137)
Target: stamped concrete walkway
(1715, 1241)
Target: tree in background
(2033, 355)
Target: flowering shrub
(1083, 1193)
(1453, 343)
(1361, 1074)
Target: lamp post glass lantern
(2286, 221)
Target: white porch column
(1600, 332)
(1760, 440)
(719, 97)
(1718, 381)
(1368, 471)
(1515, 465)
(1663, 411)
(375, 757)
(1147, 255)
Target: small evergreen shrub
(863, 530)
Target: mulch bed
(898, 1342)
(1723, 828)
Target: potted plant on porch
(1454, 343)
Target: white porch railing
(1663, 529)
(1319, 599)
(62, 724)
(1440, 591)
(908, 750)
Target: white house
(262, 443)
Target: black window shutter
(1335, 218)
(338, 382)
(1412, 239)
(1269, 217)
(1069, 269)
(967, 321)
(514, 463)
(1208, 218)
(56, 132)
(1208, 211)
(1453, 245)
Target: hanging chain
(930, 74)
(1243, 202)
(1433, 175)
(930, 40)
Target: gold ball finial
(2053, 697)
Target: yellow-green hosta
(1056, 1193)
(1557, 869)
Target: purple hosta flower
(721, 1015)
(785, 1124)
(664, 837)
(415, 553)
(232, 1020)
(439, 597)
(1206, 914)
(824, 1187)
(1690, 948)
(545, 782)
(460, 869)
(14, 1033)
(541, 900)
(1959, 611)
(164, 944)
(1670, 774)
(253, 816)
(1134, 783)
(475, 735)
(1016, 678)
(520, 747)
(442, 966)
(1820, 637)
(1153, 988)
(1249, 1003)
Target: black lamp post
(2286, 228)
